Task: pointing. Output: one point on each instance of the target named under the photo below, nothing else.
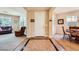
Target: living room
(11, 21)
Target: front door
(39, 23)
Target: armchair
(20, 32)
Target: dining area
(72, 33)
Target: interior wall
(63, 16)
(47, 23)
(31, 25)
(54, 23)
(50, 22)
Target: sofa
(5, 30)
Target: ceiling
(65, 9)
(37, 8)
(20, 11)
(17, 11)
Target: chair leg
(63, 36)
(69, 36)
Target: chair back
(23, 29)
(63, 30)
(73, 32)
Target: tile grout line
(54, 45)
(25, 45)
(18, 45)
(40, 39)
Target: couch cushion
(0, 29)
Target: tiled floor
(39, 44)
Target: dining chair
(73, 33)
(65, 35)
(77, 36)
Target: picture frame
(32, 20)
(60, 21)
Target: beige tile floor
(39, 45)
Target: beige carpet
(9, 42)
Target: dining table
(76, 30)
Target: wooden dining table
(75, 30)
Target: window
(5, 21)
(71, 21)
(22, 21)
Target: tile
(39, 45)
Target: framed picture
(60, 21)
(32, 20)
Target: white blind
(71, 21)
